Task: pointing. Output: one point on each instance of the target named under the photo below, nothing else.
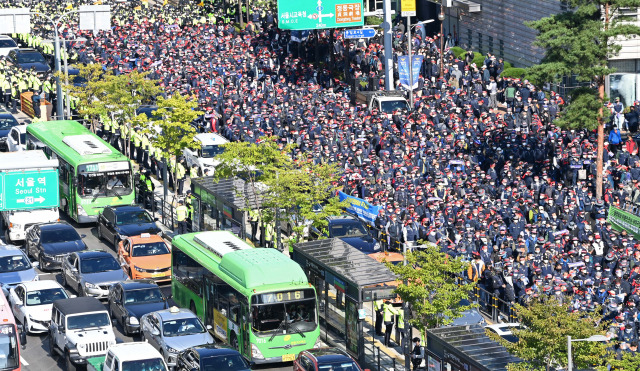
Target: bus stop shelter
(465, 348)
(221, 205)
(345, 278)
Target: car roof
(79, 305)
(329, 354)
(152, 238)
(55, 225)
(21, 128)
(10, 250)
(5, 37)
(27, 50)
(138, 284)
(340, 217)
(166, 314)
(88, 254)
(210, 139)
(134, 351)
(503, 328)
(125, 208)
(213, 350)
(41, 285)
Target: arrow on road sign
(30, 200)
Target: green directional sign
(29, 190)
(319, 14)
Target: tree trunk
(240, 16)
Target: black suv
(130, 300)
(49, 243)
(117, 222)
(26, 58)
(352, 231)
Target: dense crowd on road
(478, 168)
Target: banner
(360, 207)
(403, 70)
(621, 219)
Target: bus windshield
(211, 151)
(9, 354)
(104, 184)
(292, 317)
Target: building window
(470, 38)
(501, 46)
(480, 46)
(491, 44)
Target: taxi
(145, 256)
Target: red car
(325, 359)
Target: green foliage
(543, 341)
(88, 94)
(478, 59)
(507, 65)
(431, 288)
(295, 187)
(458, 52)
(373, 20)
(177, 133)
(513, 72)
(583, 112)
(628, 361)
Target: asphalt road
(36, 355)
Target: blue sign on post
(359, 33)
(403, 70)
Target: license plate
(288, 357)
(157, 274)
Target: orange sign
(347, 13)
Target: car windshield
(151, 248)
(9, 354)
(55, 235)
(7, 123)
(136, 217)
(182, 327)
(289, 317)
(104, 184)
(339, 366)
(153, 364)
(101, 264)
(393, 105)
(99, 319)
(45, 296)
(30, 58)
(8, 44)
(14, 263)
(139, 296)
(347, 229)
(231, 362)
(211, 151)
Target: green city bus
(92, 173)
(257, 300)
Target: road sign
(408, 8)
(319, 14)
(359, 33)
(15, 20)
(29, 190)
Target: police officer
(417, 354)
(378, 307)
(181, 215)
(388, 313)
(399, 324)
(181, 175)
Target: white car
(7, 44)
(504, 330)
(31, 303)
(204, 157)
(16, 140)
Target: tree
(430, 287)
(628, 361)
(89, 92)
(542, 342)
(278, 182)
(121, 95)
(579, 42)
(176, 131)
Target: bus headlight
(255, 352)
(319, 343)
(81, 211)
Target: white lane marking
(24, 363)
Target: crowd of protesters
(478, 167)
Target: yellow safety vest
(181, 213)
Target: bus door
(245, 330)
(72, 192)
(209, 300)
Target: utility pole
(599, 163)
(406, 340)
(388, 46)
(441, 18)
(410, 63)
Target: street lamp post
(596, 338)
(441, 18)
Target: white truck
(81, 329)
(383, 101)
(137, 356)
(204, 157)
(17, 221)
